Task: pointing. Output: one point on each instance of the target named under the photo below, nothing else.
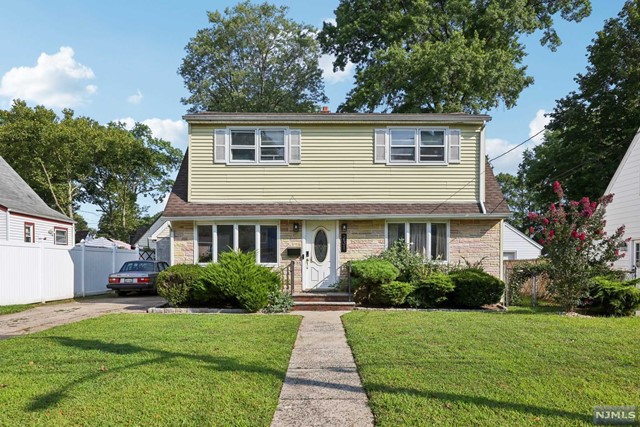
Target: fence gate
(147, 254)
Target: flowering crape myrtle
(575, 244)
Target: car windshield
(137, 266)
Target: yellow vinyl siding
(337, 165)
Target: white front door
(319, 255)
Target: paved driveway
(50, 315)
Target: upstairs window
(257, 146)
(415, 146)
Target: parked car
(136, 276)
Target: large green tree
(253, 59)
(132, 163)
(52, 154)
(440, 55)
(517, 196)
(592, 127)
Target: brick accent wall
(183, 242)
(474, 240)
(364, 238)
(291, 239)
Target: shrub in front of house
(369, 274)
(176, 284)
(279, 302)
(237, 280)
(611, 297)
(392, 294)
(475, 288)
(431, 291)
(408, 263)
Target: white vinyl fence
(92, 267)
(34, 272)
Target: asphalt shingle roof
(17, 196)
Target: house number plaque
(343, 242)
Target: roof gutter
(334, 217)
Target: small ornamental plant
(575, 244)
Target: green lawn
(489, 369)
(128, 369)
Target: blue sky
(118, 60)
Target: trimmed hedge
(613, 298)
(176, 284)
(431, 291)
(237, 280)
(393, 294)
(475, 288)
(368, 275)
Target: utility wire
(522, 143)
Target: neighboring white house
(624, 210)
(25, 217)
(516, 245)
(157, 238)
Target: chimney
(325, 109)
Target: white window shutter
(295, 146)
(454, 145)
(380, 146)
(220, 138)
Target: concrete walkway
(322, 386)
(49, 315)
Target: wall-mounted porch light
(296, 227)
(344, 227)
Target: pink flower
(532, 215)
(552, 233)
(574, 234)
(574, 203)
(532, 230)
(545, 221)
(557, 188)
(583, 236)
(593, 205)
(541, 241)
(553, 207)
(578, 249)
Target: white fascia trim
(524, 236)
(634, 142)
(154, 236)
(481, 165)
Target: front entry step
(325, 301)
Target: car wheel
(121, 293)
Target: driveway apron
(49, 315)
(322, 386)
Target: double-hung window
(61, 236)
(429, 239)
(636, 261)
(258, 146)
(417, 146)
(214, 240)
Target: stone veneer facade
(470, 240)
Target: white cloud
(332, 77)
(330, 21)
(539, 122)
(135, 98)
(56, 80)
(174, 131)
(509, 162)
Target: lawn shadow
(217, 363)
(533, 410)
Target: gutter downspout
(481, 167)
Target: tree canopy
(71, 160)
(253, 59)
(440, 55)
(592, 127)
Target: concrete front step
(323, 306)
(322, 297)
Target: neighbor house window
(61, 236)
(29, 232)
(428, 239)
(213, 240)
(417, 145)
(637, 257)
(258, 146)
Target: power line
(522, 143)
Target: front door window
(320, 246)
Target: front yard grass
(471, 368)
(129, 369)
(17, 308)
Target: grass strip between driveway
(128, 369)
(471, 368)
